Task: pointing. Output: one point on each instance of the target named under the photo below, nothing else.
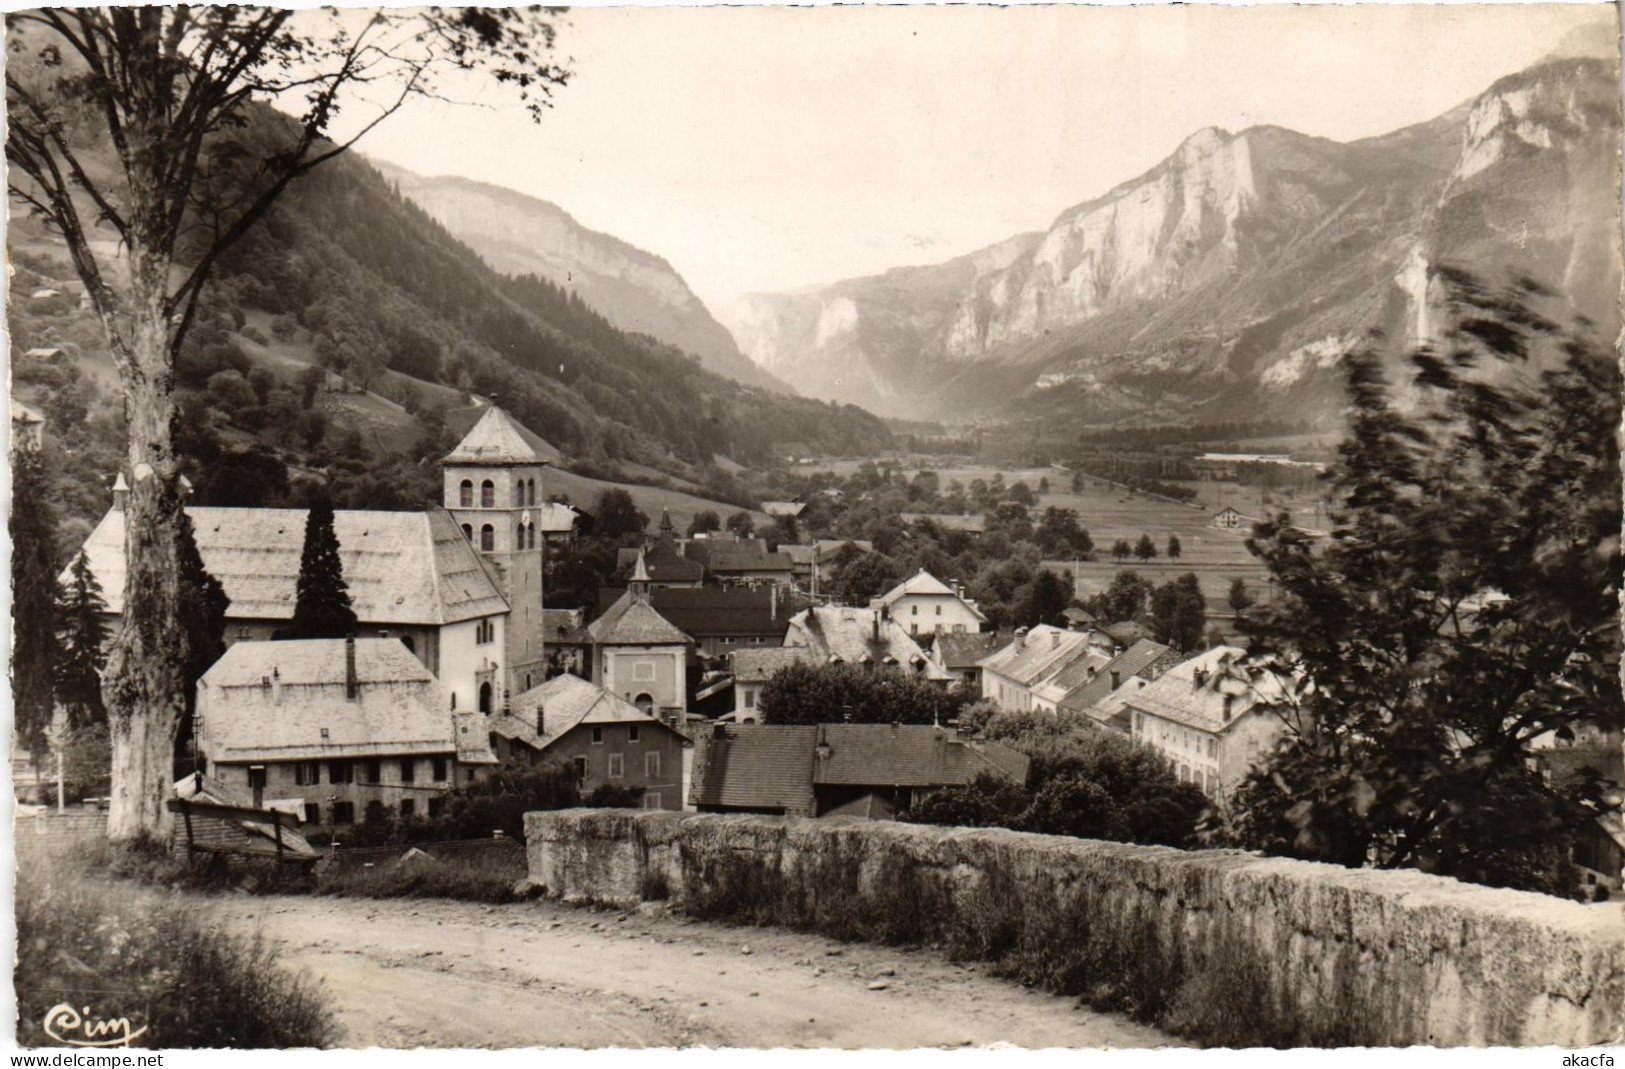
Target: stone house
(336, 726)
(1010, 675)
(605, 739)
(640, 655)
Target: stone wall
(1220, 946)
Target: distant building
(868, 638)
(1010, 675)
(784, 509)
(729, 561)
(926, 605)
(1103, 694)
(606, 740)
(1208, 720)
(960, 655)
(721, 620)
(664, 565)
(871, 770)
(1229, 519)
(27, 427)
(340, 726)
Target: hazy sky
(767, 148)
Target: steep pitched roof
(632, 621)
(663, 563)
(755, 766)
(722, 556)
(400, 567)
(1194, 692)
(1079, 672)
(958, 652)
(707, 611)
(924, 584)
(1127, 665)
(565, 702)
(858, 636)
(757, 666)
(555, 517)
(498, 438)
(564, 625)
(908, 755)
(286, 700)
(1037, 655)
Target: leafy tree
(988, 801)
(1240, 598)
(1122, 550)
(1145, 549)
(1174, 548)
(174, 93)
(323, 608)
(704, 523)
(617, 517)
(1059, 534)
(33, 602)
(831, 693)
(741, 524)
(865, 576)
(1045, 599)
(783, 532)
(1124, 599)
(81, 636)
(1465, 606)
(1179, 613)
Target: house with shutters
(1208, 718)
(338, 727)
(607, 741)
(927, 606)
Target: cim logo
(77, 1028)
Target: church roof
(498, 438)
(400, 567)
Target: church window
(488, 537)
(530, 491)
(488, 494)
(518, 492)
(465, 494)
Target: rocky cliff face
(1226, 282)
(635, 290)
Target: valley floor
(409, 973)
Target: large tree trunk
(144, 684)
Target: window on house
(939, 610)
(374, 812)
(488, 538)
(632, 733)
(409, 807)
(581, 769)
(313, 813)
(468, 532)
(652, 800)
(256, 777)
(242, 633)
(465, 495)
(597, 735)
(645, 703)
(343, 812)
(617, 766)
(339, 772)
(750, 697)
(651, 765)
(437, 807)
(914, 610)
(439, 769)
(488, 494)
(408, 770)
(1213, 748)
(306, 773)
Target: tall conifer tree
(33, 602)
(323, 608)
(81, 635)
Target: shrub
(188, 984)
(485, 873)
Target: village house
(784, 509)
(869, 638)
(926, 605)
(1228, 519)
(960, 655)
(810, 562)
(663, 564)
(567, 641)
(27, 426)
(560, 523)
(868, 770)
(723, 619)
(751, 671)
(1102, 695)
(732, 561)
(607, 741)
(1010, 675)
(342, 726)
(640, 655)
(412, 577)
(1211, 722)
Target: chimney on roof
(774, 598)
(276, 686)
(1021, 638)
(1055, 639)
(1200, 675)
(352, 688)
(877, 627)
(541, 722)
(1229, 707)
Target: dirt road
(410, 973)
